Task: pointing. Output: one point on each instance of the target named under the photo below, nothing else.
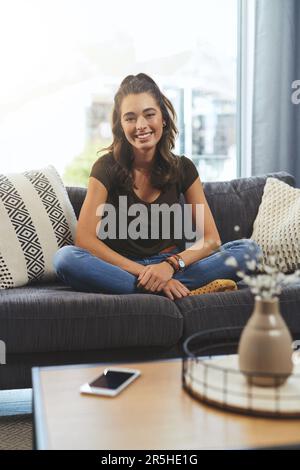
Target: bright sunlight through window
(62, 61)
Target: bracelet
(171, 264)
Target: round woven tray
(217, 381)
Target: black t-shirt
(153, 238)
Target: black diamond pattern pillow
(36, 219)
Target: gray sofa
(44, 324)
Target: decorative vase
(265, 346)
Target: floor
(16, 419)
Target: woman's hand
(155, 276)
(175, 290)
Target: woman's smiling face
(142, 121)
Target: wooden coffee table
(154, 412)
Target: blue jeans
(84, 272)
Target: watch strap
(178, 258)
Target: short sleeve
(101, 170)
(189, 173)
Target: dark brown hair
(165, 169)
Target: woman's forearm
(98, 248)
(199, 250)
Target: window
(62, 61)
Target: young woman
(137, 175)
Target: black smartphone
(111, 382)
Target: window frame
(245, 76)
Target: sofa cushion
(52, 317)
(277, 226)
(233, 309)
(37, 219)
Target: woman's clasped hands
(158, 277)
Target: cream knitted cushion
(277, 225)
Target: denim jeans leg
(213, 267)
(84, 272)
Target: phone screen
(111, 379)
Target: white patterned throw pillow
(277, 225)
(36, 219)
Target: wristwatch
(180, 261)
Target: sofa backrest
(76, 195)
(233, 203)
(236, 202)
